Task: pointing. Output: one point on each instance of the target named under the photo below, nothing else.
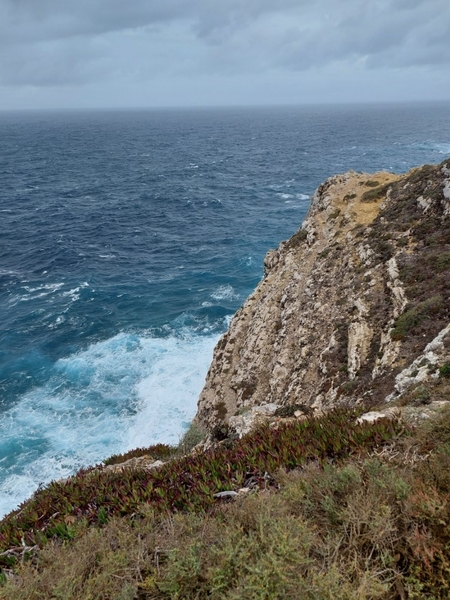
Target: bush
(158, 452)
(297, 239)
(193, 436)
(376, 193)
(414, 316)
(444, 371)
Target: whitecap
(74, 293)
(302, 196)
(59, 321)
(9, 272)
(49, 287)
(124, 392)
(225, 292)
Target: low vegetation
(355, 517)
(186, 484)
(414, 316)
(156, 452)
(376, 192)
(297, 239)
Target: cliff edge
(354, 309)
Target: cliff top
(349, 305)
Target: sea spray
(118, 394)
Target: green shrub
(414, 316)
(325, 252)
(157, 451)
(193, 436)
(297, 239)
(348, 197)
(444, 371)
(442, 261)
(375, 194)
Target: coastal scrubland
(330, 509)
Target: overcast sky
(138, 53)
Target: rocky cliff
(353, 309)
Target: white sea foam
(48, 287)
(8, 272)
(121, 393)
(34, 293)
(302, 197)
(246, 260)
(167, 398)
(58, 321)
(225, 292)
(74, 293)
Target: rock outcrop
(352, 310)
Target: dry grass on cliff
(374, 527)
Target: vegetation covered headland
(318, 464)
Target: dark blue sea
(129, 238)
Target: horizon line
(225, 106)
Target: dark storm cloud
(54, 42)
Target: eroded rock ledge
(353, 309)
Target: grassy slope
(366, 524)
(188, 483)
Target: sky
(153, 53)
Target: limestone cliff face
(348, 305)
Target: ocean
(128, 240)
